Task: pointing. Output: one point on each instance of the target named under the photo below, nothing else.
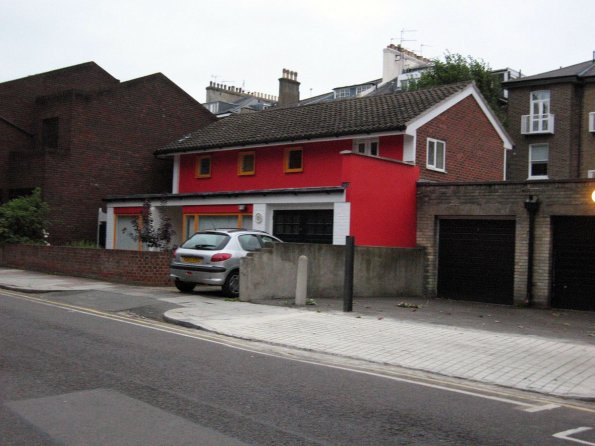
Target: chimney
(289, 88)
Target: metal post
(348, 283)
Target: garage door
(573, 266)
(476, 260)
(304, 226)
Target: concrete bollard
(301, 287)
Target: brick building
(530, 239)
(317, 173)
(482, 244)
(551, 117)
(81, 135)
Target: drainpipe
(532, 206)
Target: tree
(457, 68)
(145, 230)
(24, 220)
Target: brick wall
(588, 138)
(497, 200)
(563, 144)
(132, 267)
(107, 136)
(474, 151)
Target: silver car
(213, 258)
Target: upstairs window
(293, 160)
(366, 147)
(539, 117)
(246, 163)
(49, 133)
(538, 161)
(203, 166)
(436, 157)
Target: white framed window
(436, 156)
(592, 122)
(539, 120)
(538, 161)
(361, 88)
(368, 146)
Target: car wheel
(231, 287)
(184, 287)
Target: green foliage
(24, 220)
(457, 68)
(145, 230)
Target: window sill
(541, 177)
(434, 169)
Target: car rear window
(209, 241)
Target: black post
(348, 283)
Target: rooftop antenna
(403, 32)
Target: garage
(573, 263)
(476, 260)
(304, 226)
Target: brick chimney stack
(289, 88)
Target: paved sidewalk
(441, 340)
(563, 368)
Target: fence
(133, 267)
(378, 272)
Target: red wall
(322, 167)
(383, 205)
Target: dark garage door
(304, 226)
(573, 266)
(476, 260)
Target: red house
(317, 173)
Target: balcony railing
(535, 124)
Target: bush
(82, 244)
(24, 220)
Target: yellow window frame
(241, 157)
(287, 158)
(198, 166)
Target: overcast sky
(248, 42)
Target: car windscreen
(210, 241)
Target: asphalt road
(76, 377)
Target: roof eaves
(277, 140)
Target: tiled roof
(328, 119)
(580, 70)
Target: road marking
(566, 435)
(215, 338)
(541, 408)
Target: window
(539, 120)
(366, 146)
(246, 163)
(538, 160)
(592, 122)
(49, 133)
(293, 160)
(203, 166)
(436, 155)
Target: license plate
(192, 259)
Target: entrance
(304, 226)
(476, 260)
(573, 264)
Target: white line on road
(167, 328)
(541, 408)
(566, 435)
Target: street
(94, 377)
